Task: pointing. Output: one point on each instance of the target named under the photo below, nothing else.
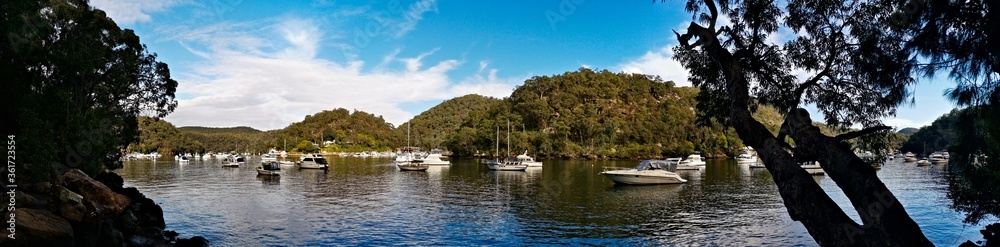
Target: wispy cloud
(271, 84)
(126, 12)
(413, 16)
(658, 62)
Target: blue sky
(266, 64)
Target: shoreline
(79, 210)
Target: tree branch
(856, 134)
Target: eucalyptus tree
(73, 85)
(844, 58)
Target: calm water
(367, 201)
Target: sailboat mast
(508, 138)
(496, 154)
(408, 138)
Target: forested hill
(160, 136)
(431, 128)
(352, 131)
(233, 139)
(597, 114)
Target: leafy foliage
(235, 139)
(432, 127)
(74, 83)
(162, 137)
(597, 114)
(351, 131)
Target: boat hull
(502, 167)
(312, 166)
(261, 171)
(633, 179)
(744, 160)
(411, 167)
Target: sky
(267, 64)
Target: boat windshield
(321, 161)
(667, 165)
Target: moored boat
(694, 160)
(434, 159)
(528, 160)
(413, 165)
(312, 161)
(269, 168)
(647, 172)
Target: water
(367, 201)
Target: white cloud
(658, 62)
(413, 16)
(900, 123)
(268, 85)
(126, 12)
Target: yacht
(270, 156)
(312, 161)
(183, 160)
(240, 160)
(757, 165)
(434, 159)
(269, 168)
(508, 164)
(229, 161)
(909, 157)
(694, 160)
(413, 165)
(528, 160)
(937, 157)
(648, 172)
(682, 165)
(746, 158)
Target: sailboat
(407, 162)
(508, 164)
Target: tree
(962, 38)
(73, 85)
(858, 70)
(306, 147)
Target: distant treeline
(579, 114)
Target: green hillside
(233, 139)
(595, 114)
(352, 132)
(160, 136)
(432, 127)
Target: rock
(25, 200)
(145, 210)
(37, 227)
(111, 180)
(128, 223)
(70, 204)
(196, 241)
(109, 236)
(94, 191)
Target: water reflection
(367, 201)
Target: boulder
(71, 204)
(25, 200)
(38, 227)
(94, 191)
(196, 241)
(112, 180)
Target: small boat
(682, 165)
(434, 159)
(183, 160)
(241, 160)
(230, 162)
(909, 157)
(746, 158)
(647, 172)
(270, 156)
(312, 161)
(269, 168)
(937, 157)
(528, 160)
(507, 165)
(923, 163)
(694, 160)
(813, 168)
(757, 165)
(413, 165)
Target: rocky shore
(77, 210)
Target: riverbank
(77, 210)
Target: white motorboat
(240, 160)
(528, 160)
(403, 157)
(683, 165)
(923, 163)
(694, 160)
(746, 158)
(312, 161)
(413, 165)
(909, 157)
(757, 165)
(937, 157)
(271, 155)
(813, 168)
(229, 162)
(183, 160)
(648, 172)
(434, 159)
(269, 168)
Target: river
(367, 201)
